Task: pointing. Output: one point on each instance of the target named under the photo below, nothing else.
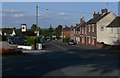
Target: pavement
(62, 60)
(4, 44)
(80, 46)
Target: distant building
(23, 28)
(11, 32)
(72, 33)
(66, 32)
(23, 31)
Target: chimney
(82, 20)
(95, 14)
(104, 11)
(76, 24)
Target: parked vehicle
(71, 42)
(17, 40)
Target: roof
(115, 22)
(95, 20)
(66, 29)
(17, 31)
(80, 25)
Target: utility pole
(37, 31)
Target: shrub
(30, 40)
(66, 40)
(3, 38)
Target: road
(62, 60)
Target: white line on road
(59, 46)
(30, 67)
(8, 69)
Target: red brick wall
(66, 34)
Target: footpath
(80, 46)
(100, 50)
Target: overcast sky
(51, 13)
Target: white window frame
(82, 39)
(85, 30)
(88, 28)
(93, 27)
(92, 41)
(89, 40)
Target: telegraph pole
(37, 31)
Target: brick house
(80, 33)
(77, 34)
(96, 25)
(66, 32)
(72, 33)
(83, 34)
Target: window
(89, 40)
(89, 28)
(85, 30)
(82, 30)
(111, 30)
(102, 28)
(82, 39)
(93, 27)
(92, 41)
(116, 30)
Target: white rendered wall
(103, 36)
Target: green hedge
(30, 40)
(3, 38)
(66, 40)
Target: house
(80, 32)
(11, 32)
(114, 32)
(72, 33)
(83, 34)
(97, 32)
(77, 34)
(66, 32)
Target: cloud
(18, 15)
(12, 11)
(62, 14)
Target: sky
(51, 13)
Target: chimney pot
(104, 11)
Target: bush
(3, 38)
(30, 40)
(66, 40)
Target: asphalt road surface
(62, 60)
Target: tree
(51, 30)
(58, 31)
(33, 28)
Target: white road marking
(59, 46)
(30, 67)
(35, 51)
(8, 69)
